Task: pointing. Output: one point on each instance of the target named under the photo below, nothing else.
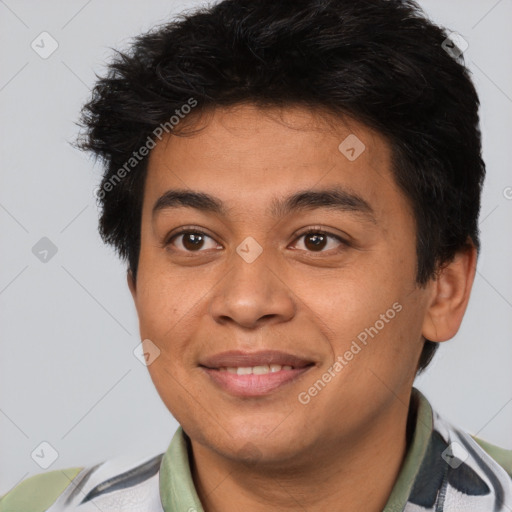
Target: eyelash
(317, 231)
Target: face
(277, 279)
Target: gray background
(68, 375)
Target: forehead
(244, 155)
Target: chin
(257, 442)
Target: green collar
(178, 492)
(422, 430)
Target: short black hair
(380, 62)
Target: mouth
(255, 374)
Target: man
(295, 187)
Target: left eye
(317, 241)
(193, 241)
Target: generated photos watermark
(143, 151)
(304, 397)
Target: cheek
(164, 298)
(371, 311)
(359, 294)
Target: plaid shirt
(445, 470)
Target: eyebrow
(335, 198)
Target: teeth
(256, 370)
(260, 370)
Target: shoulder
(458, 442)
(129, 479)
(37, 493)
(502, 456)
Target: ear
(450, 295)
(131, 283)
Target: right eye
(191, 241)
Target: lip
(238, 358)
(253, 385)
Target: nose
(252, 295)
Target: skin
(274, 451)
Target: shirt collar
(421, 419)
(178, 493)
(177, 490)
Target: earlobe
(451, 291)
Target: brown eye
(192, 241)
(315, 241)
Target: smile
(256, 370)
(255, 381)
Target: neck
(349, 475)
